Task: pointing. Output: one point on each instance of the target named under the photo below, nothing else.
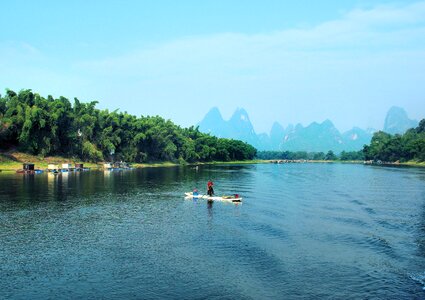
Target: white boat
(227, 198)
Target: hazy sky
(285, 61)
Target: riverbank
(12, 161)
(412, 164)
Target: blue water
(310, 231)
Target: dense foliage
(41, 126)
(330, 155)
(390, 148)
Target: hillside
(55, 127)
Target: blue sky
(286, 61)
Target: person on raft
(210, 189)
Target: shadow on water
(210, 212)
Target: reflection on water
(210, 212)
(303, 231)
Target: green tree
(330, 155)
(319, 156)
(54, 126)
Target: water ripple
(304, 231)
(420, 278)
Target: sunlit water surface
(303, 231)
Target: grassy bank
(413, 164)
(12, 161)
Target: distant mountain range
(238, 127)
(397, 121)
(316, 137)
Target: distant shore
(409, 163)
(11, 162)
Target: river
(303, 231)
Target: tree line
(391, 148)
(330, 155)
(48, 126)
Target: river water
(303, 231)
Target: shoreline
(13, 166)
(11, 162)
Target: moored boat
(29, 168)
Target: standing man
(210, 189)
